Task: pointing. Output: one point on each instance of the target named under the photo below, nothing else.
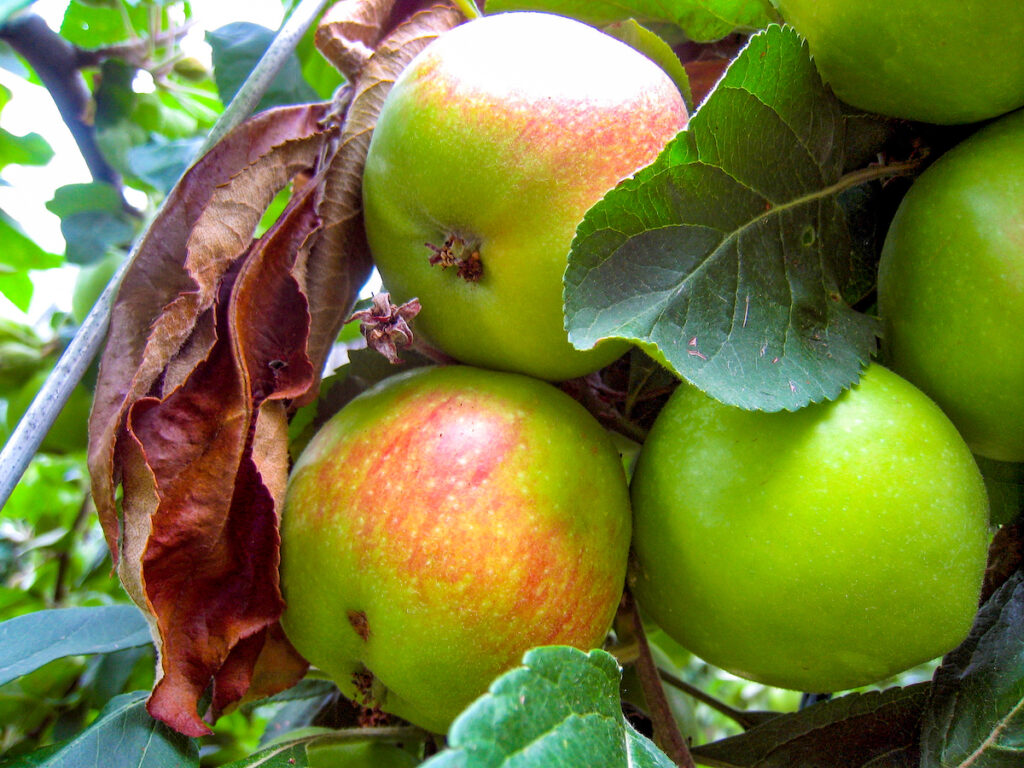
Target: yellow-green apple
(817, 550)
(940, 61)
(490, 148)
(951, 287)
(443, 523)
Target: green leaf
(976, 713)
(17, 287)
(701, 20)
(123, 736)
(20, 252)
(76, 198)
(93, 220)
(288, 755)
(30, 149)
(657, 50)
(560, 708)
(730, 254)
(92, 25)
(30, 641)
(876, 729)
(237, 47)
(160, 163)
(19, 255)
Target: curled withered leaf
(214, 337)
(341, 210)
(209, 567)
(207, 344)
(349, 31)
(161, 302)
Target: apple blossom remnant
(386, 325)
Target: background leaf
(92, 220)
(123, 736)
(875, 729)
(19, 255)
(701, 20)
(976, 714)
(560, 708)
(236, 49)
(730, 255)
(28, 642)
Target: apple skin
(951, 287)
(442, 524)
(817, 550)
(938, 61)
(504, 132)
(366, 754)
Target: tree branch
(56, 62)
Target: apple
(951, 287)
(360, 754)
(939, 61)
(442, 524)
(817, 550)
(490, 148)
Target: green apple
(939, 61)
(817, 550)
(490, 148)
(951, 287)
(442, 524)
(362, 754)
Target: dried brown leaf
(349, 31)
(343, 245)
(216, 448)
(135, 358)
(215, 337)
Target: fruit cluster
(453, 517)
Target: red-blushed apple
(951, 287)
(443, 523)
(490, 148)
(818, 550)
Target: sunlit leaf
(560, 708)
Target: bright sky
(31, 109)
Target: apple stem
(666, 731)
(468, 9)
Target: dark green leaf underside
(731, 253)
(976, 715)
(30, 641)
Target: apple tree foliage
(743, 259)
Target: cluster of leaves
(230, 311)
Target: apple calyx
(370, 714)
(460, 253)
(385, 325)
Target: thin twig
(745, 720)
(666, 731)
(24, 441)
